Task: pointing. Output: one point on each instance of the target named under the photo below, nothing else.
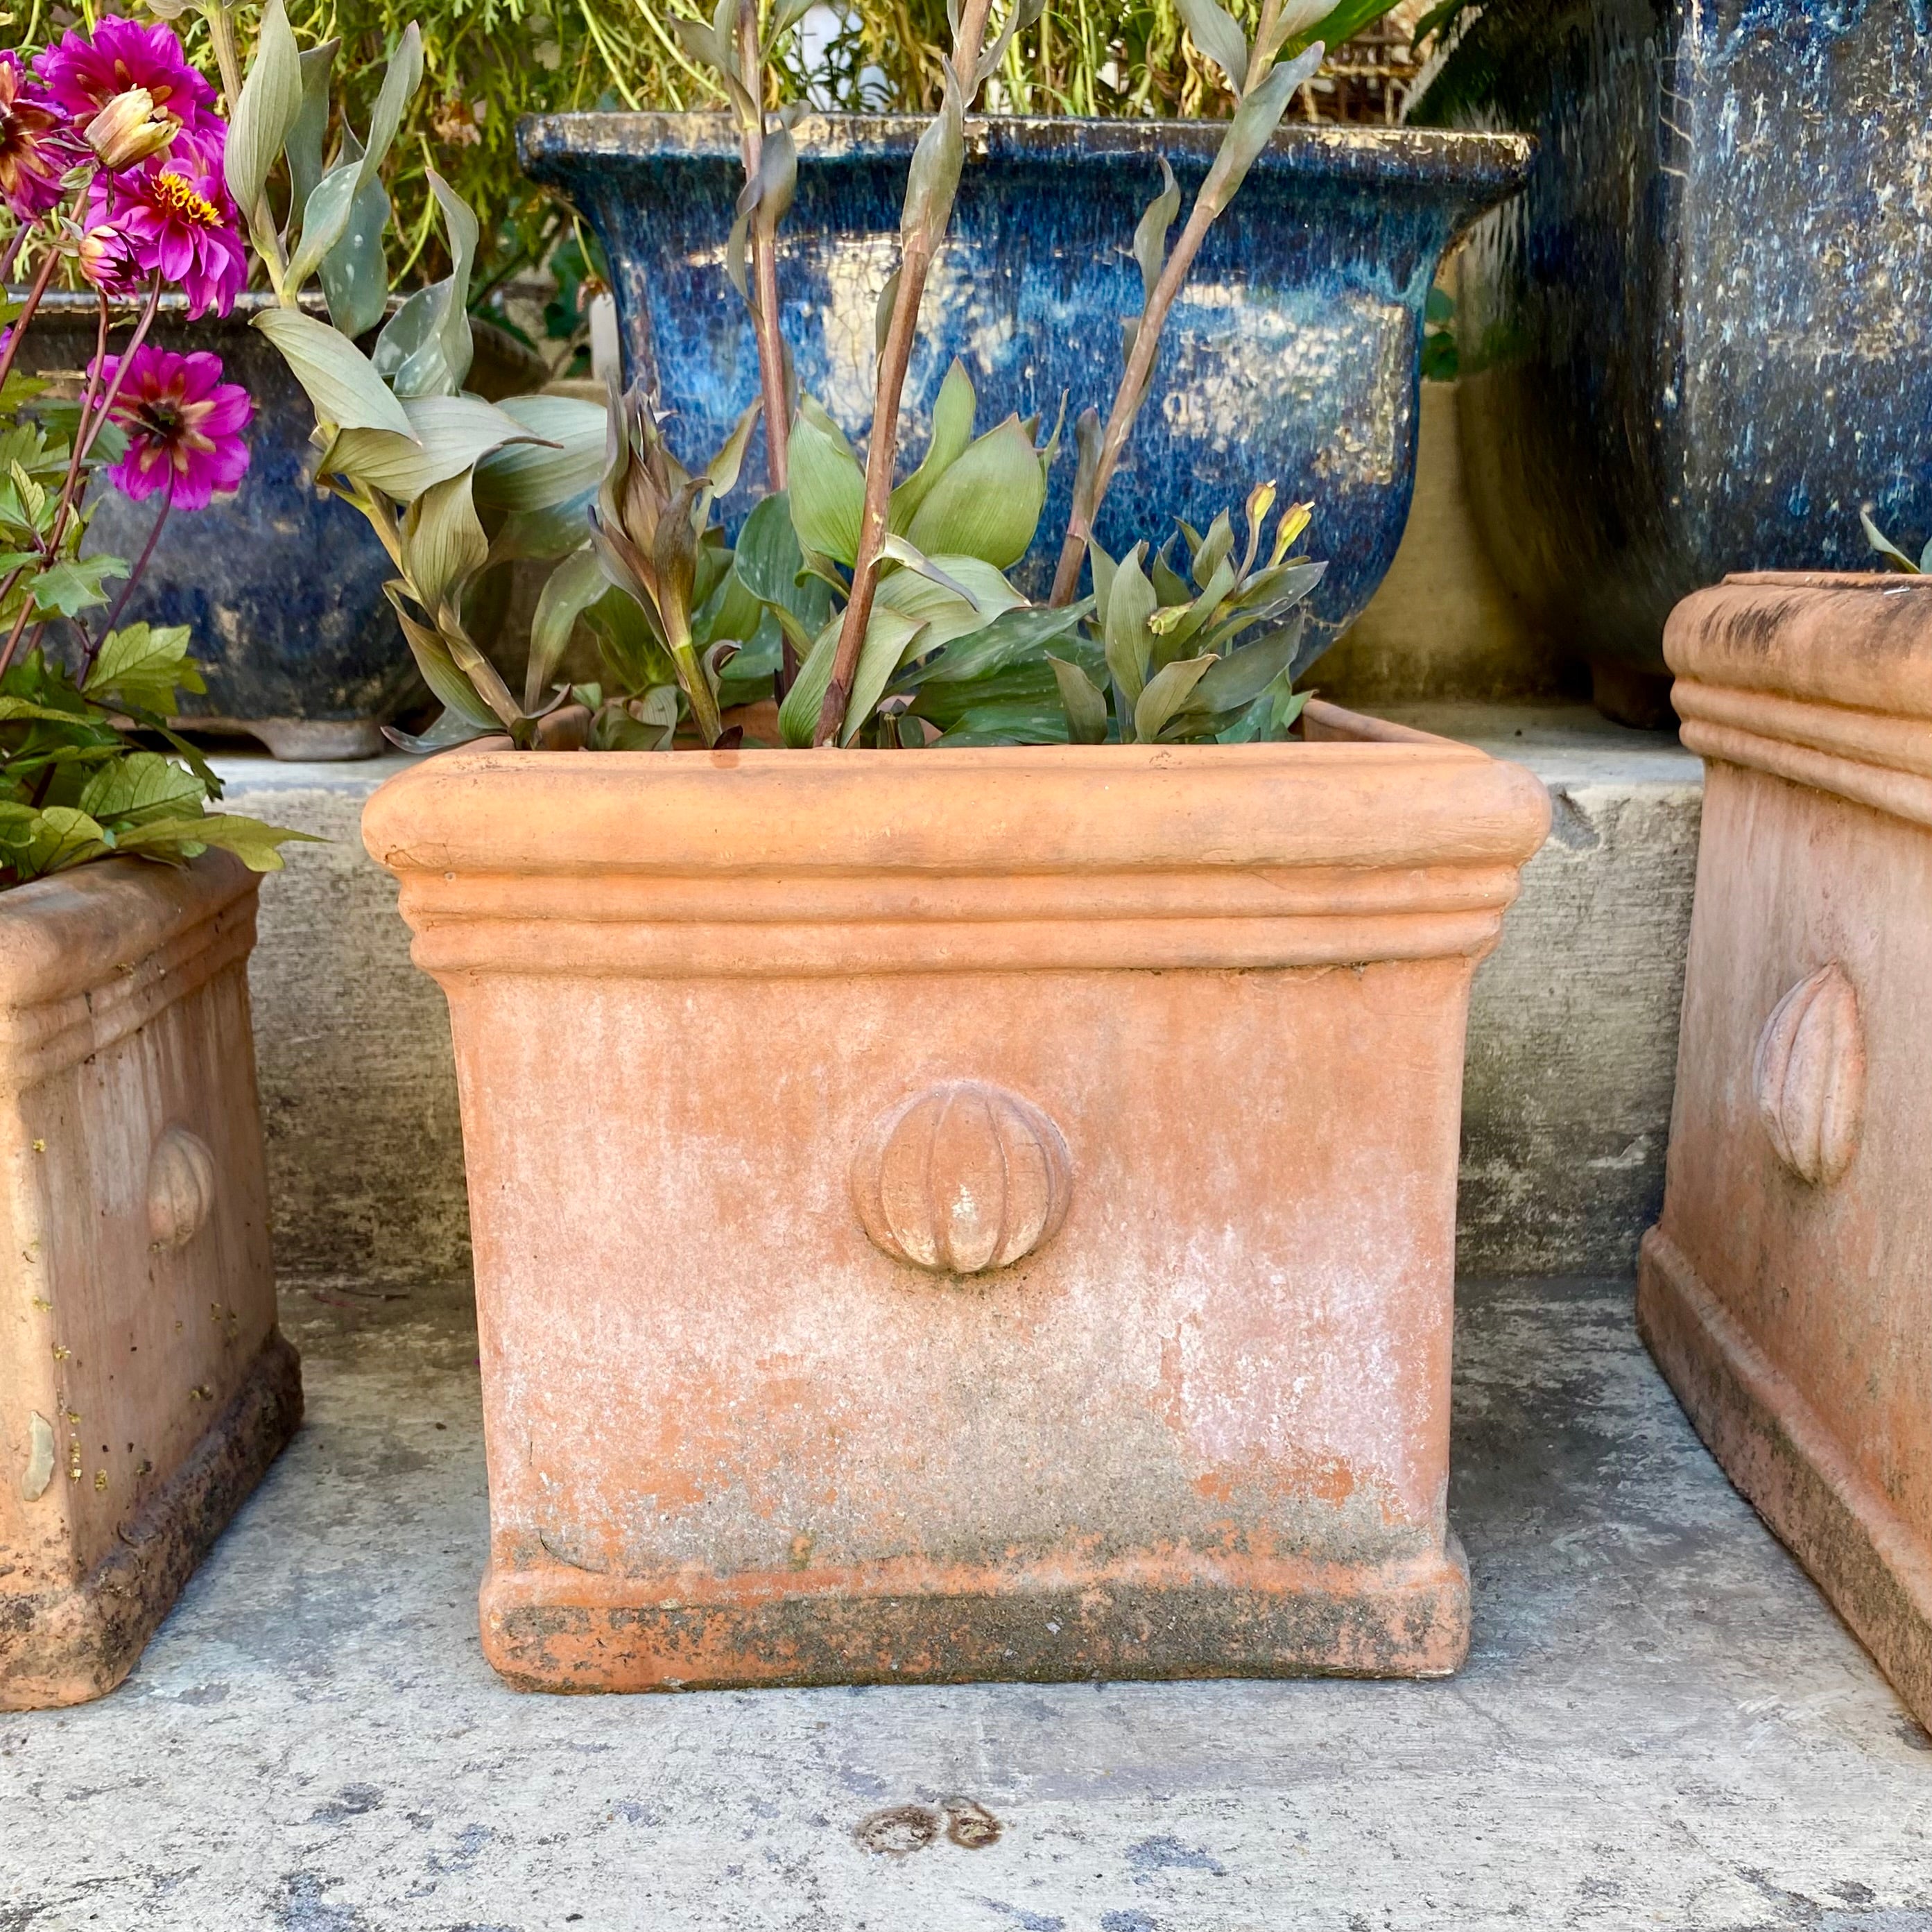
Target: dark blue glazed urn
(1702, 339)
(281, 584)
(1293, 354)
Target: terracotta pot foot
(66, 1646)
(1792, 1469)
(554, 1627)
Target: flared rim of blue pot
(1485, 165)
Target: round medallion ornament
(1809, 1076)
(181, 1187)
(961, 1177)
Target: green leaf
(1150, 234)
(54, 839)
(570, 590)
(1086, 704)
(356, 271)
(943, 612)
(271, 102)
(440, 671)
(890, 637)
(952, 435)
(143, 666)
(1254, 125)
(798, 716)
(448, 435)
(1215, 32)
(310, 128)
(325, 216)
(73, 586)
(827, 485)
(426, 347)
(1240, 677)
(1299, 16)
(400, 80)
(932, 178)
(342, 383)
(1011, 639)
(249, 839)
(1130, 603)
(988, 501)
(143, 785)
(1167, 691)
(1886, 547)
(443, 544)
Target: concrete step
(1572, 1030)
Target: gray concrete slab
(1572, 1026)
(1661, 1724)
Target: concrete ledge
(1573, 1033)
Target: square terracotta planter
(1786, 1291)
(144, 1386)
(964, 1214)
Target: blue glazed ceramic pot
(281, 584)
(1293, 354)
(1703, 337)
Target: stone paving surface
(1661, 1723)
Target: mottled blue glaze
(1293, 354)
(1703, 337)
(281, 585)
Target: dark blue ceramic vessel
(1293, 354)
(281, 585)
(1703, 338)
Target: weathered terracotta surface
(768, 1060)
(1787, 1290)
(144, 1386)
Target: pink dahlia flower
(178, 217)
(185, 426)
(37, 146)
(83, 72)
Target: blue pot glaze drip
(1293, 354)
(1703, 337)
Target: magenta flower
(84, 74)
(109, 262)
(179, 219)
(184, 425)
(36, 146)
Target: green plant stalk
(882, 454)
(765, 317)
(1137, 375)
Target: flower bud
(106, 257)
(129, 128)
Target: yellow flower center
(179, 199)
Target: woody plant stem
(765, 320)
(1137, 377)
(915, 264)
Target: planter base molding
(65, 1645)
(1792, 1470)
(556, 1628)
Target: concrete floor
(1661, 1724)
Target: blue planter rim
(1486, 167)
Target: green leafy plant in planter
(875, 607)
(122, 190)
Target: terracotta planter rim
(1098, 809)
(56, 942)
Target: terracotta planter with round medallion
(1787, 1290)
(964, 1214)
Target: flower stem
(141, 563)
(26, 315)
